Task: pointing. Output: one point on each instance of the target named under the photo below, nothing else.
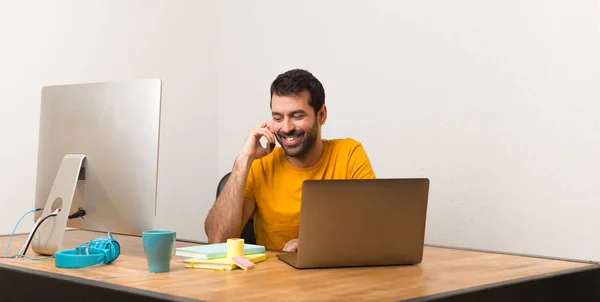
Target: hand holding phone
(253, 148)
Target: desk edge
(95, 283)
(497, 285)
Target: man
(267, 181)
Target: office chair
(248, 231)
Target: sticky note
(243, 262)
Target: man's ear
(322, 116)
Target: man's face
(295, 123)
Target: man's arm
(225, 218)
(231, 210)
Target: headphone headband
(95, 251)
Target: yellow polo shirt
(275, 186)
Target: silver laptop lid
(362, 222)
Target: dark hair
(294, 81)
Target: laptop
(360, 222)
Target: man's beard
(301, 149)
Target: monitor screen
(115, 128)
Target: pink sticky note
(242, 262)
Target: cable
(55, 213)
(15, 229)
(29, 237)
(79, 213)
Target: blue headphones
(95, 251)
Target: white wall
(495, 102)
(59, 42)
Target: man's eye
(277, 119)
(298, 116)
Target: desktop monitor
(98, 151)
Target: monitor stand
(49, 235)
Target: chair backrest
(222, 183)
(248, 231)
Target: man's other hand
(291, 246)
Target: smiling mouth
(291, 140)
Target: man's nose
(287, 126)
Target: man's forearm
(225, 217)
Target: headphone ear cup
(117, 246)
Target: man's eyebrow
(299, 111)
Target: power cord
(79, 213)
(38, 223)
(15, 229)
